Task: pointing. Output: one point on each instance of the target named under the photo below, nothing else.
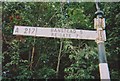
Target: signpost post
(99, 24)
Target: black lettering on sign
(51, 30)
(33, 30)
(29, 30)
(70, 35)
(63, 35)
(77, 35)
(16, 31)
(52, 34)
(74, 31)
(70, 31)
(58, 30)
(26, 29)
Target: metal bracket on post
(99, 25)
(101, 36)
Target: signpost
(64, 33)
(98, 35)
(57, 32)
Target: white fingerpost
(57, 32)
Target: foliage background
(78, 58)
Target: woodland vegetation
(27, 57)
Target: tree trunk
(59, 57)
